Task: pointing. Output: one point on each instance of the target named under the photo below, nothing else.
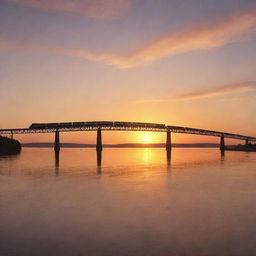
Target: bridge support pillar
(246, 142)
(222, 143)
(99, 148)
(99, 141)
(57, 141)
(12, 135)
(168, 145)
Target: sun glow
(146, 139)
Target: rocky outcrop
(9, 146)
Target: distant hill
(124, 145)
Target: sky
(178, 62)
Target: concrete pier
(99, 140)
(57, 141)
(222, 143)
(99, 149)
(168, 141)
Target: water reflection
(99, 170)
(57, 161)
(7, 163)
(222, 156)
(99, 158)
(203, 209)
(168, 158)
(117, 161)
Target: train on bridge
(118, 125)
(95, 124)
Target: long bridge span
(100, 126)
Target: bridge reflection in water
(57, 162)
(99, 159)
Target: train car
(157, 126)
(78, 124)
(44, 126)
(152, 125)
(177, 128)
(98, 124)
(191, 129)
(105, 123)
(139, 125)
(37, 126)
(52, 125)
(66, 125)
(121, 124)
(126, 124)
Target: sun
(146, 139)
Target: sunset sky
(179, 62)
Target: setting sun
(146, 139)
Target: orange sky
(177, 63)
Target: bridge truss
(128, 126)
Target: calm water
(135, 204)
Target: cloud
(89, 8)
(197, 37)
(206, 93)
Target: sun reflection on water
(115, 161)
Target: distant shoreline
(123, 145)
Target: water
(136, 203)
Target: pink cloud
(206, 93)
(191, 38)
(89, 8)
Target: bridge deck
(124, 126)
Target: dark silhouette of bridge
(100, 126)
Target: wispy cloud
(206, 93)
(89, 8)
(196, 37)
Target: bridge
(100, 126)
